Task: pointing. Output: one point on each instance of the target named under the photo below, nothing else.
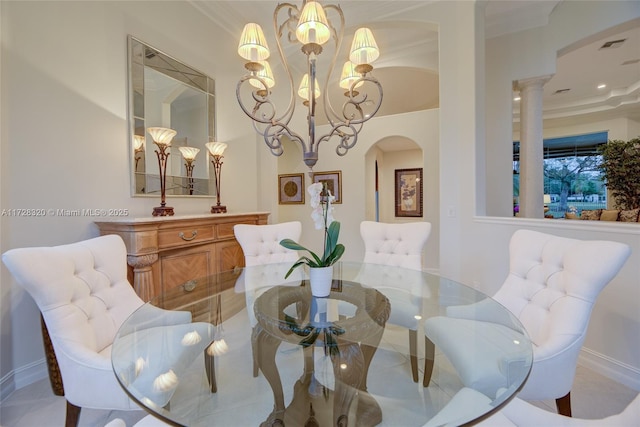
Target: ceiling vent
(559, 91)
(631, 61)
(612, 44)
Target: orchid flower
(322, 215)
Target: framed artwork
(291, 189)
(409, 192)
(333, 179)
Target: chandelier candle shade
(162, 137)
(215, 152)
(312, 27)
(189, 155)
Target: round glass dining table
(251, 348)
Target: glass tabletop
(248, 348)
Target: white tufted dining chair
(84, 297)
(397, 245)
(551, 288)
(261, 246)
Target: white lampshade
(265, 74)
(162, 136)
(303, 90)
(216, 148)
(189, 153)
(547, 199)
(349, 76)
(138, 143)
(312, 25)
(253, 44)
(364, 49)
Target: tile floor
(593, 395)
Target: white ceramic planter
(320, 279)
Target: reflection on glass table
(332, 361)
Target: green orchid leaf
(303, 260)
(332, 240)
(294, 327)
(311, 338)
(290, 244)
(336, 254)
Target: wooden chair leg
(210, 369)
(413, 354)
(429, 357)
(564, 405)
(73, 415)
(52, 363)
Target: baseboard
(610, 368)
(22, 377)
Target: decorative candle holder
(189, 154)
(215, 151)
(162, 138)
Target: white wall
(64, 91)
(420, 127)
(64, 132)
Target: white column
(531, 150)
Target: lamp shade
(253, 44)
(216, 148)
(265, 74)
(349, 76)
(303, 89)
(364, 49)
(162, 136)
(189, 153)
(312, 25)
(138, 143)
(547, 199)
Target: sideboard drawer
(180, 237)
(225, 231)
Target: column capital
(531, 81)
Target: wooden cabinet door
(182, 265)
(229, 255)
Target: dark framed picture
(333, 179)
(409, 192)
(291, 189)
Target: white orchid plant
(322, 215)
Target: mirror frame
(136, 99)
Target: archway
(381, 161)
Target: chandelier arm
(357, 100)
(344, 145)
(338, 37)
(292, 19)
(259, 102)
(273, 133)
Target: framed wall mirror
(165, 92)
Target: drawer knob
(194, 233)
(190, 285)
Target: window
(571, 175)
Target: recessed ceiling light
(602, 86)
(561, 91)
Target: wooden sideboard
(165, 252)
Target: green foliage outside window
(621, 170)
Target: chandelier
(311, 28)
